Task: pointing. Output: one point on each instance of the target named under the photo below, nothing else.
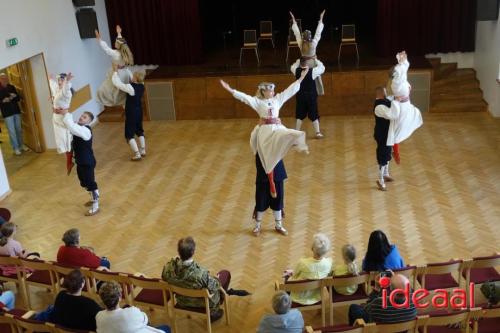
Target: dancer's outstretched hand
(293, 17)
(322, 14)
(226, 86)
(69, 76)
(97, 35)
(118, 29)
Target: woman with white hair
(311, 268)
(285, 319)
(121, 57)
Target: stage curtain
(161, 32)
(425, 26)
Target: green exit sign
(12, 42)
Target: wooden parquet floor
(198, 180)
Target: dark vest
(84, 155)
(381, 124)
(10, 108)
(308, 85)
(133, 103)
(279, 171)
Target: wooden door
(19, 77)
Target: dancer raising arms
(133, 111)
(62, 92)
(108, 94)
(405, 117)
(307, 45)
(270, 139)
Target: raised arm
(75, 129)
(294, 66)
(122, 86)
(53, 86)
(296, 31)
(319, 29)
(247, 99)
(401, 69)
(292, 89)
(66, 90)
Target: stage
(194, 92)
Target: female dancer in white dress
(270, 139)
(108, 94)
(405, 117)
(60, 88)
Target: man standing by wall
(11, 112)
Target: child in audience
(349, 267)
(133, 111)
(8, 245)
(61, 99)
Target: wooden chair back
(443, 319)
(139, 283)
(449, 267)
(32, 326)
(405, 326)
(266, 28)
(250, 38)
(348, 33)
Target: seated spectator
(311, 268)
(381, 255)
(285, 320)
(184, 272)
(71, 309)
(7, 299)
(8, 245)
(348, 268)
(72, 254)
(374, 312)
(121, 320)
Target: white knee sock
(316, 126)
(258, 216)
(381, 174)
(142, 143)
(133, 146)
(298, 125)
(277, 216)
(386, 169)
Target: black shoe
(216, 315)
(238, 292)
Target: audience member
(72, 254)
(311, 268)
(7, 299)
(121, 320)
(381, 255)
(184, 272)
(284, 319)
(374, 311)
(348, 268)
(71, 309)
(8, 245)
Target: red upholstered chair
(360, 296)
(13, 264)
(440, 275)
(463, 321)
(95, 276)
(335, 329)
(305, 285)
(481, 269)
(7, 323)
(149, 293)
(37, 273)
(489, 320)
(60, 329)
(32, 326)
(404, 326)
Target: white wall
(487, 63)
(50, 27)
(463, 59)
(4, 182)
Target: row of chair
(431, 277)
(18, 321)
(475, 320)
(251, 42)
(148, 293)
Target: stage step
(112, 114)
(455, 90)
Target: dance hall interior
(250, 166)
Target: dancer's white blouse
(61, 99)
(272, 141)
(108, 94)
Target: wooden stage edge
(188, 95)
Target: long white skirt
(272, 143)
(62, 134)
(108, 94)
(409, 120)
